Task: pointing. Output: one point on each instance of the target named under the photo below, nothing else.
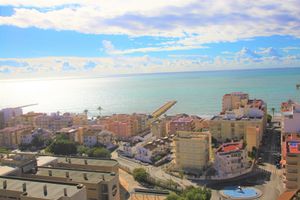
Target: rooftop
(222, 117)
(90, 161)
(230, 147)
(293, 146)
(183, 119)
(35, 188)
(79, 176)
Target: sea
(198, 93)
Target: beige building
(12, 136)
(291, 160)
(225, 128)
(158, 128)
(192, 150)
(99, 185)
(29, 189)
(21, 162)
(234, 100)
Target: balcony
(292, 163)
(292, 171)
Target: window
(104, 188)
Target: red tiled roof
(228, 147)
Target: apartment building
(192, 150)
(158, 128)
(229, 127)
(290, 136)
(290, 117)
(291, 160)
(11, 137)
(184, 123)
(99, 185)
(29, 189)
(124, 125)
(24, 119)
(53, 122)
(234, 101)
(7, 114)
(231, 159)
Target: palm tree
(86, 111)
(273, 111)
(99, 109)
(298, 86)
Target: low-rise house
(153, 151)
(231, 159)
(106, 138)
(128, 150)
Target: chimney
(85, 162)
(66, 159)
(65, 192)
(4, 184)
(67, 175)
(85, 176)
(103, 178)
(45, 190)
(49, 172)
(69, 160)
(24, 187)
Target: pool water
(243, 193)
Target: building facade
(231, 159)
(192, 150)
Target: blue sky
(84, 38)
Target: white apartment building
(231, 159)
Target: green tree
(83, 149)
(173, 196)
(62, 146)
(140, 175)
(273, 111)
(86, 112)
(99, 152)
(269, 118)
(37, 141)
(191, 193)
(99, 109)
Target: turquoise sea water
(196, 92)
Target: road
(155, 172)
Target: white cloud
(110, 49)
(194, 22)
(77, 66)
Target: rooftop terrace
(38, 189)
(230, 147)
(89, 161)
(79, 176)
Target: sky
(59, 38)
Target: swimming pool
(236, 192)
